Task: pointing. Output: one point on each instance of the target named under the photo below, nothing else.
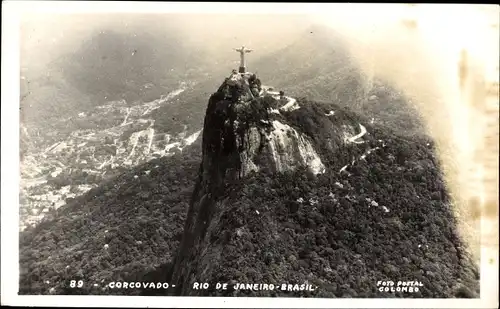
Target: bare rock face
(243, 138)
(283, 147)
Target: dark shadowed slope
(187, 110)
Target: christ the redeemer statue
(242, 52)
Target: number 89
(74, 284)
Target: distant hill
(315, 52)
(318, 66)
(131, 66)
(107, 64)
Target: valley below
(53, 175)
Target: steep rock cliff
(238, 139)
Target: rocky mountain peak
(250, 128)
(246, 129)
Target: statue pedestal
(242, 70)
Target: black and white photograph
(243, 154)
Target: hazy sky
(56, 34)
